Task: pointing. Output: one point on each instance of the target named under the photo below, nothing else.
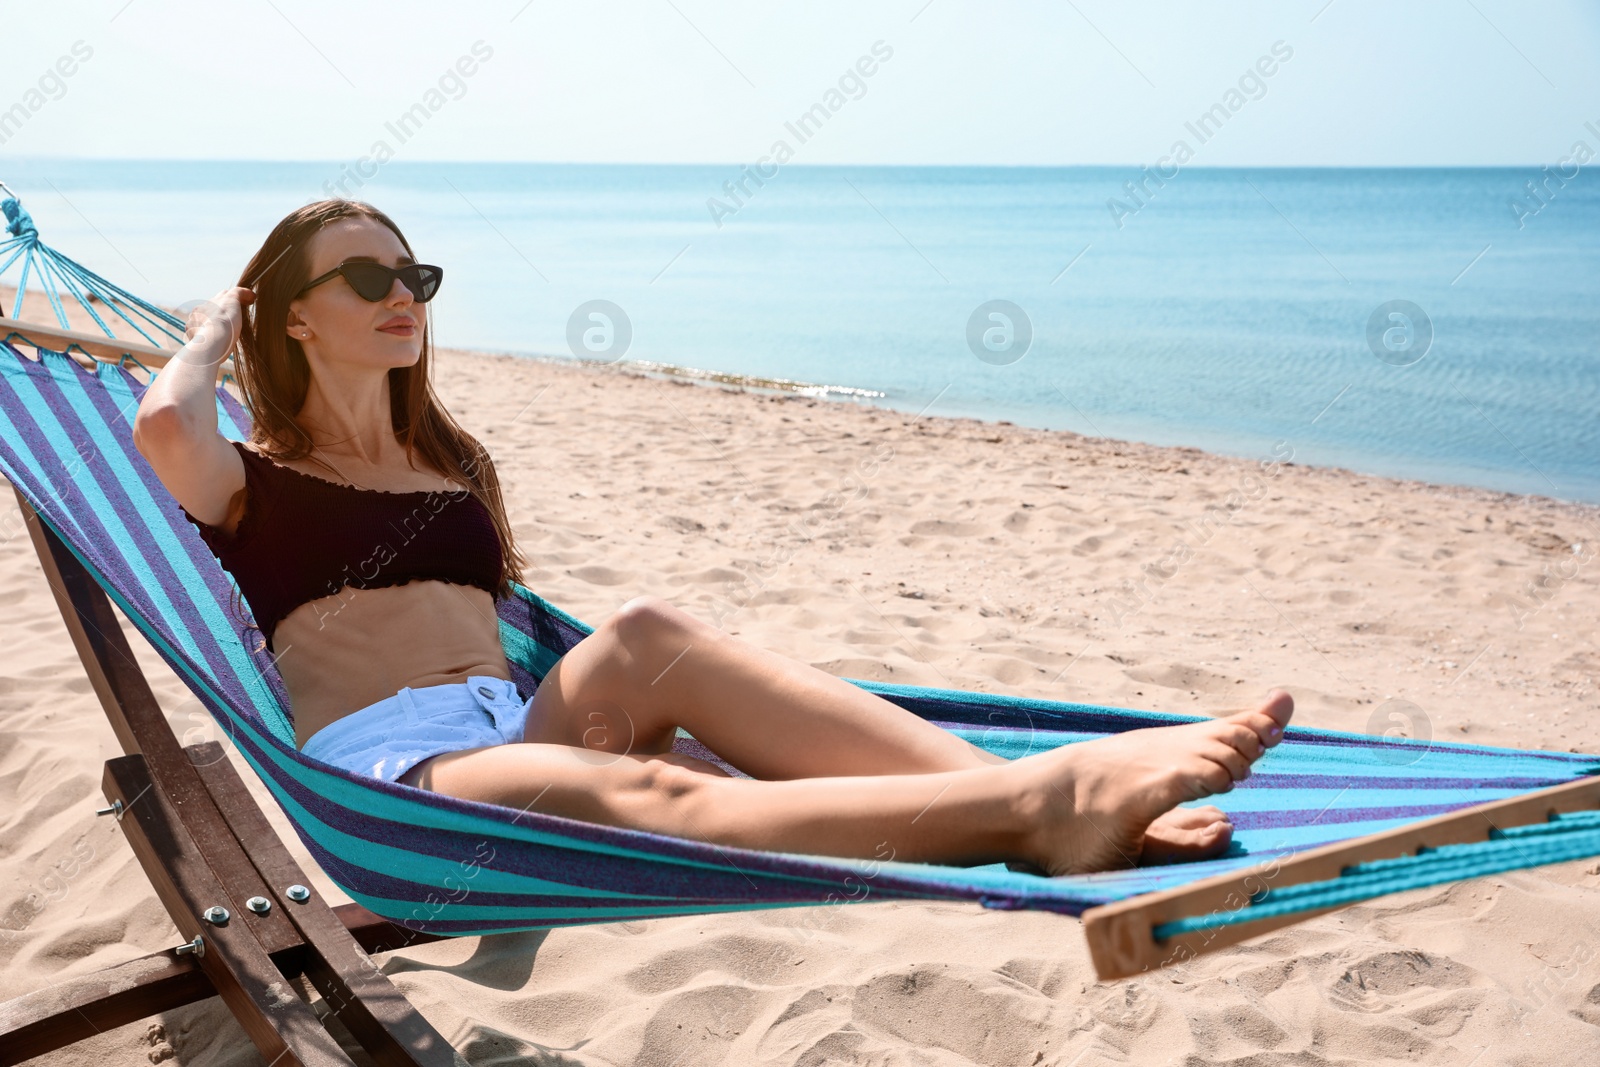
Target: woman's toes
(1217, 767)
(1237, 766)
(1264, 730)
(1280, 709)
(1244, 738)
(1172, 844)
(1191, 818)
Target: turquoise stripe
(403, 911)
(225, 424)
(1313, 835)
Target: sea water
(1250, 312)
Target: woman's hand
(214, 325)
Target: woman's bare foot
(1182, 835)
(1096, 805)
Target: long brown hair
(274, 376)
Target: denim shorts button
(485, 692)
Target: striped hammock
(441, 865)
(438, 864)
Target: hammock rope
(81, 283)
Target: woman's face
(333, 323)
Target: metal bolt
(197, 946)
(114, 809)
(259, 905)
(298, 893)
(217, 915)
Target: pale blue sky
(1456, 82)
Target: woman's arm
(175, 428)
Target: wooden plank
(58, 1015)
(282, 1026)
(97, 346)
(379, 1013)
(73, 1010)
(141, 726)
(131, 708)
(357, 991)
(1121, 935)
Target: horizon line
(786, 166)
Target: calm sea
(1408, 322)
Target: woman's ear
(296, 326)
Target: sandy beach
(948, 552)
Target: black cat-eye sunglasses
(372, 281)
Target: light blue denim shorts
(387, 739)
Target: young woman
(366, 530)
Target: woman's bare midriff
(342, 652)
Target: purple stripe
(1366, 742)
(969, 713)
(236, 411)
(1373, 781)
(688, 746)
(1274, 820)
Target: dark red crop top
(303, 537)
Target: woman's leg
(1080, 807)
(651, 668)
(971, 816)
